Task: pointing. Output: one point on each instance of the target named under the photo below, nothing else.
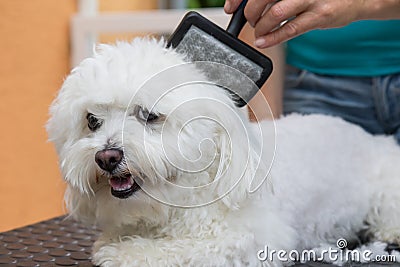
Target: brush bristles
(197, 45)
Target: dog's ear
(239, 160)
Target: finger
(277, 14)
(231, 5)
(301, 24)
(255, 9)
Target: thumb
(231, 5)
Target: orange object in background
(126, 5)
(34, 53)
(34, 60)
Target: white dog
(167, 177)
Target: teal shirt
(363, 48)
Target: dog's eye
(93, 122)
(146, 116)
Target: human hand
(268, 17)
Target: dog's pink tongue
(120, 183)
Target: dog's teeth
(121, 184)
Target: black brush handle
(238, 20)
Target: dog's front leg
(136, 251)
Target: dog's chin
(123, 186)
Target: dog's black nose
(108, 159)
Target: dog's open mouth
(123, 186)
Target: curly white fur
(329, 180)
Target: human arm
(267, 16)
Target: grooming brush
(202, 40)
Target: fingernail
(259, 42)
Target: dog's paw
(390, 236)
(107, 256)
(125, 253)
(119, 255)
